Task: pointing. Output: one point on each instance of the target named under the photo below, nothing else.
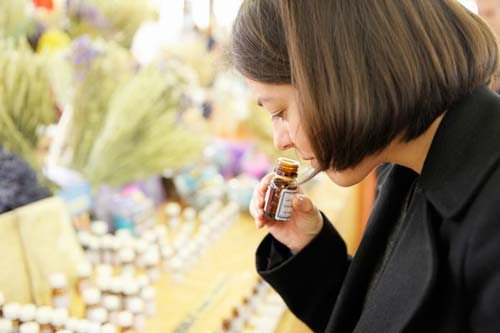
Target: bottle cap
(99, 228)
(142, 281)
(151, 258)
(141, 246)
(172, 209)
(104, 271)
(99, 315)
(44, 315)
(104, 283)
(130, 287)
(116, 285)
(82, 326)
(12, 311)
(5, 325)
(84, 270)
(287, 165)
(93, 328)
(106, 242)
(59, 317)
(72, 324)
(189, 214)
(111, 302)
(28, 313)
(58, 281)
(125, 319)
(148, 293)
(135, 305)
(108, 328)
(126, 255)
(91, 296)
(29, 328)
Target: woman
(351, 85)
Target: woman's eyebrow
(262, 100)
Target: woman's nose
(281, 136)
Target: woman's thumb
(302, 203)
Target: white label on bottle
(284, 211)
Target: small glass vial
(93, 253)
(43, 318)
(11, 311)
(106, 245)
(92, 299)
(127, 260)
(136, 307)
(60, 296)
(152, 263)
(98, 315)
(83, 282)
(113, 304)
(64, 331)
(173, 211)
(59, 319)
(30, 327)
(28, 313)
(130, 290)
(5, 325)
(72, 324)
(126, 322)
(148, 295)
(280, 191)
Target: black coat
(443, 273)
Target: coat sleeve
(482, 263)
(310, 280)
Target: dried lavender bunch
(18, 183)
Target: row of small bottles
(254, 313)
(28, 318)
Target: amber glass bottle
(278, 200)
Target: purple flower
(83, 53)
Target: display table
(225, 273)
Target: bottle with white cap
(93, 252)
(60, 295)
(148, 295)
(64, 331)
(130, 290)
(136, 307)
(59, 318)
(84, 271)
(152, 262)
(93, 327)
(173, 211)
(113, 304)
(127, 261)
(5, 325)
(43, 318)
(126, 322)
(161, 233)
(30, 327)
(11, 311)
(141, 246)
(92, 299)
(28, 313)
(106, 244)
(108, 328)
(99, 228)
(72, 324)
(98, 315)
(82, 326)
(115, 248)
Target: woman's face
(490, 11)
(281, 103)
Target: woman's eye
(278, 115)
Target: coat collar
(464, 150)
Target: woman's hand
(296, 233)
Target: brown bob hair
(366, 71)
